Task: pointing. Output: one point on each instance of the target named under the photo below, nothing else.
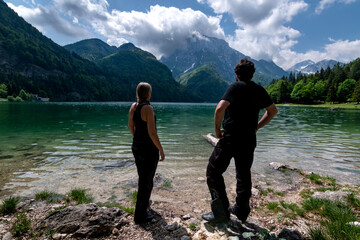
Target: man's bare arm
(270, 113)
(218, 117)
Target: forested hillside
(340, 84)
(206, 82)
(35, 64)
(130, 65)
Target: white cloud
(340, 50)
(326, 3)
(262, 32)
(42, 17)
(161, 30)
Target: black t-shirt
(246, 99)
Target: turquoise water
(51, 141)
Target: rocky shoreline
(68, 220)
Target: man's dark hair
(244, 69)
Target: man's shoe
(241, 216)
(208, 216)
(211, 218)
(148, 218)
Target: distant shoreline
(333, 106)
(325, 105)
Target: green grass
(133, 197)
(317, 179)
(294, 210)
(9, 206)
(117, 205)
(22, 225)
(336, 216)
(306, 193)
(48, 196)
(273, 206)
(351, 105)
(167, 183)
(80, 196)
(192, 227)
(353, 201)
(324, 189)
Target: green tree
(303, 92)
(356, 94)
(320, 90)
(3, 91)
(345, 90)
(25, 96)
(280, 91)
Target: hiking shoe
(241, 216)
(148, 218)
(211, 218)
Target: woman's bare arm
(131, 124)
(147, 114)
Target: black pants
(146, 159)
(243, 153)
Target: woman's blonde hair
(143, 91)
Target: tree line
(339, 84)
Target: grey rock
(279, 166)
(179, 232)
(255, 192)
(233, 238)
(58, 236)
(7, 236)
(85, 221)
(172, 227)
(185, 237)
(356, 224)
(331, 195)
(186, 217)
(289, 234)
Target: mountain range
(309, 67)
(91, 70)
(199, 51)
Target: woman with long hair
(145, 147)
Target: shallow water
(57, 146)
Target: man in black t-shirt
(238, 110)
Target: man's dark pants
(243, 152)
(146, 159)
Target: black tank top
(141, 131)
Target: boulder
(85, 221)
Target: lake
(57, 146)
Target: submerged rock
(279, 166)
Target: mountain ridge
(218, 52)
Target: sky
(283, 31)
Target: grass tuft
(192, 227)
(80, 196)
(336, 218)
(133, 197)
(117, 205)
(167, 183)
(273, 206)
(353, 201)
(50, 197)
(9, 205)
